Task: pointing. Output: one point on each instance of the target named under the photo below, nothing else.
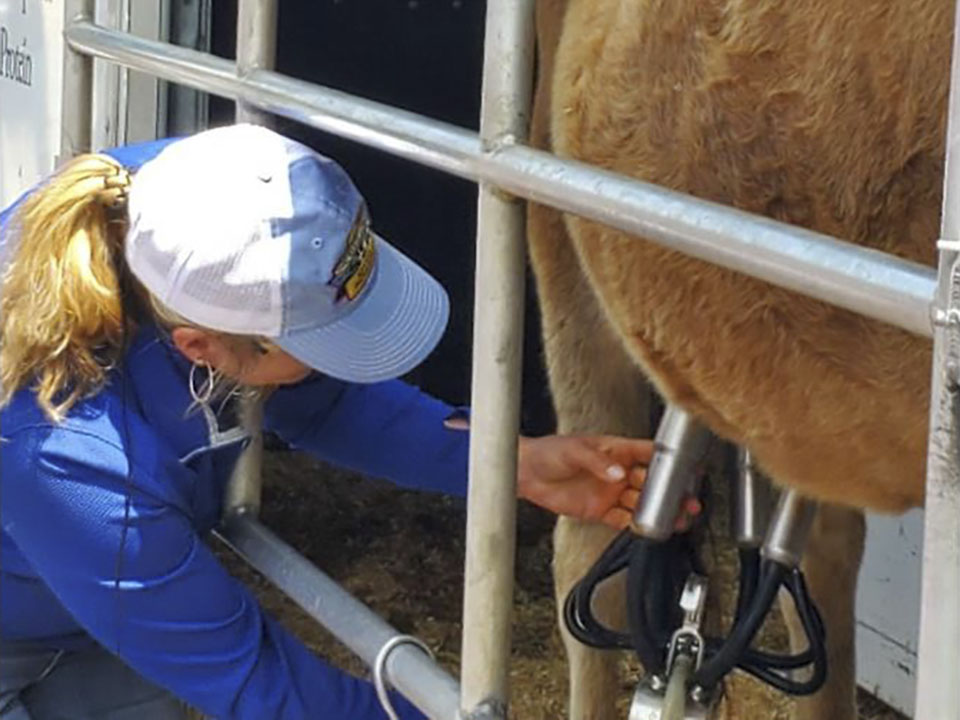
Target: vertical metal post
(77, 108)
(497, 343)
(256, 49)
(938, 692)
(190, 26)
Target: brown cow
(824, 114)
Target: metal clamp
(946, 315)
(687, 639)
(380, 669)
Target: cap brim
(396, 324)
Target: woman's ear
(198, 346)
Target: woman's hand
(590, 477)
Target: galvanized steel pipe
(409, 669)
(497, 351)
(256, 49)
(76, 109)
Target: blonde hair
(62, 319)
(69, 303)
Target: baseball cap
(242, 230)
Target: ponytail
(62, 320)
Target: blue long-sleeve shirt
(102, 518)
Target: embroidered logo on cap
(353, 269)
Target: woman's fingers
(629, 499)
(597, 463)
(638, 476)
(617, 518)
(689, 509)
(628, 451)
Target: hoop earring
(202, 396)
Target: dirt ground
(402, 553)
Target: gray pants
(40, 684)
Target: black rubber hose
(658, 584)
(749, 575)
(736, 644)
(798, 589)
(816, 652)
(588, 633)
(645, 643)
(656, 571)
(577, 610)
(777, 661)
(753, 657)
(816, 635)
(796, 585)
(659, 590)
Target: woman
(135, 309)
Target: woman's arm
(388, 429)
(394, 431)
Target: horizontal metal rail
(409, 669)
(865, 281)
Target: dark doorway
(424, 56)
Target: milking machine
(667, 589)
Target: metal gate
(880, 286)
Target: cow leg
(595, 388)
(831, 563)
(594, 676)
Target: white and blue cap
(241, 230)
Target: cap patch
(353, 269)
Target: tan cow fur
(823, 114)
